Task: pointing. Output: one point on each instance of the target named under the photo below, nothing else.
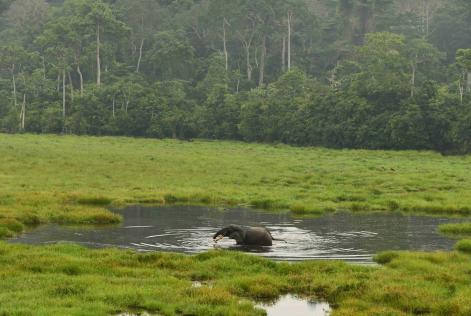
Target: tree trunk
(468, 88)
(114, 105)
(63, 98)
(174, 132)
(461, 91)
(44, 68)
(249, 65)
(71, 86)
(14, 86)
(247, 43)
(98, 61)
(140, 56)
(81, 79)
(226, 55)
(412, 80)
(283, 55)
(425, 4)
(262, 62)
(23, 112)
(290, 16)
(138, 66)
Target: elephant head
(232, 232)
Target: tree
(26, 17)
(463, 60)
(420, 52)
(171, 57)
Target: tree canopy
(390, 74)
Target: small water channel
(189, 229)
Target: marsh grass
(459, 229)
(464, 245)
(67, 279)
(94, 200)
(69, 179)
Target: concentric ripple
(189, 229)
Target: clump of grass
(173, 198)
(392, 205)
(265, 204)
(456, 229)
(359, 207)
(440, 209)
(85, 215)
(349, 198)
(464, 245)
(5, 232)
(94, 200)
(11, 224)
(298, 208)
(149, 200)
(30, 219)
(385, 257)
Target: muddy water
(189, 229)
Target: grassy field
(72, 180)
(70, 280)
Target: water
(189, 229)
(293, 306)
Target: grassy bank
(71, 179)
(70, 280)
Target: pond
(189, 229)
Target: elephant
(250, 236)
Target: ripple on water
(189, 229)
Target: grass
(460, 229)
(464, 245)
(67, 279)
(73, 179)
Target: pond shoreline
(345, 236)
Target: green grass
(464, 245)
(460, 229)
(70, 280)
(73, 179)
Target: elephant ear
(238, 235)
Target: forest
(375, 74)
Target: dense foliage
(392, 74)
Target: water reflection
(293, 306)
(188, 229)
